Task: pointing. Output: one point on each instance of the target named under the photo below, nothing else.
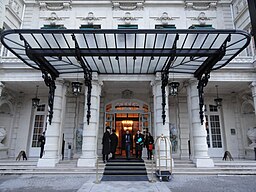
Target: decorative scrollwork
(164, 84)
(203, 81)
(49, 82)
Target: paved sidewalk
(124, 186)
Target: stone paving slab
(127, 186)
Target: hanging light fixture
(173, 88)
(35, 100)
(218, 100)
(76, 87)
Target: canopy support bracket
(164, 84)
(49, 75)
(87, 78)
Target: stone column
(198, 144)
(253, 87)
(53, 133)
(159, 128)
(90, 132)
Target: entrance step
(125, 170)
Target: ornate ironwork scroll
(164, 84)
(49, 82)
(203, 80)
(87, 78)
(49, 75)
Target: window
(201, 27)
(165, 27)
(90, 27)
(250, 49)
(127, 26)
(53, 27)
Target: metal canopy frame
(125, 51)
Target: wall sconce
(35, 100)
(173, 88)
(218, 101)
(76, 87)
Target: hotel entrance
(127, 115)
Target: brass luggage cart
(163, 154)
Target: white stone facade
(236, 83)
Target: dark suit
(42, 143)
(127, 140)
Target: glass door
(214, 132)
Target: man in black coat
(113, 143)
(42, 143)
(106, 145)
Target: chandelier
(218, 100)
(76, 87)
(35, 100)
(173, 88)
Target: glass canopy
(125, 51)
(132, 51)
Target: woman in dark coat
(106, 145)
(113, 143)
(149, 141)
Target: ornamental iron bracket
(49, 75)
(49, 82)
(164, 84)
(203, 74)
(165, 76)
(203, 80)
(87, 77)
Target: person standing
(149, 143)
(41, 140)
(106, 145)
(127, 142)
(113, 143)
(139, 141)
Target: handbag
(150, 147)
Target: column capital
(59, 81)
(1, 88)
(253, 84)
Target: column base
(204, 162)
(3, 152)
(47, 162)
(250, 153)
(86, 162)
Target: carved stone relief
(128, 18)
(164, 18)
(201, 18)
(90, 18)
(202, 5)
(55, 5)
(128, 5)
(127, 94)
(15, 7)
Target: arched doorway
(127, 114)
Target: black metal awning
(125, 51)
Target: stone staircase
(237, 167)
(125, 170)
(181, 167)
